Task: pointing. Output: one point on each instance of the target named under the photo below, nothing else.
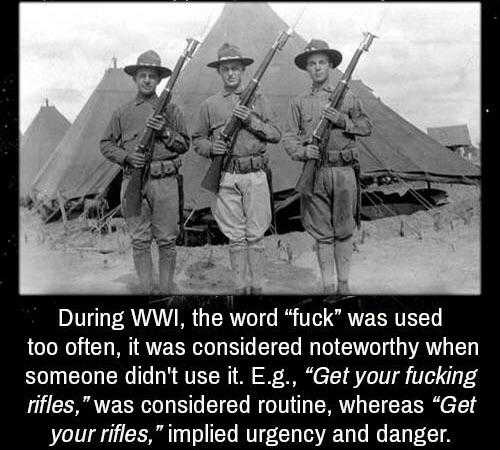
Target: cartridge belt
(340, 158)
(246, 164)
(164, 168)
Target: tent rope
(439, 239)
(393, 213)
(381, 205)
(428, 206)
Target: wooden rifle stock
(211, 181)
(132, 198)
(321, 134)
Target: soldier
(330, 213)
(242, 206)
(159, 215)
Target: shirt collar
(237, 91)
(325, 87)
(140, 99)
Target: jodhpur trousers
(328, 215)
(242, 206)
(159, 214)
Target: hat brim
(334, 55)
(132, 70)
(216, 64)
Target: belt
(164, 168)
(246, 164)
(340, 159)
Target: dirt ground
(429, 252)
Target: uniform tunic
(159, 214)
(242, 205)
(328, 213)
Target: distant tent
(457, 139)
(76, 168)
(38, 142)
(451, 136)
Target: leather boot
(238, 258)
(326, 262)
(256, 262)
(166, 267)
(143, 263)
(343, 254)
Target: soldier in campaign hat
(329, 214)
(159, 214)
(242, 205)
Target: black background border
(475, 313)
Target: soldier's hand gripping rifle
(132, 198)
(211, 182)
(321, 134)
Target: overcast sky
(426, 64)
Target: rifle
(269, 176)
(180, 194)
(321, 134)
(132, 199)
(211, 182)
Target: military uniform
(242, 205)
(329, 213)
(159, 211)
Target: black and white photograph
(250, 148)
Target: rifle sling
(227, 157)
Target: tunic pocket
(129, 141)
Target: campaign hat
(318, 46)
(148, 60)
(228, 52)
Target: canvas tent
(38, 142)
(77, 168)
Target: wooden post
(63, 211)
(419, 231)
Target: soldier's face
(318, 67)
(146, 81)
(231, 74)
